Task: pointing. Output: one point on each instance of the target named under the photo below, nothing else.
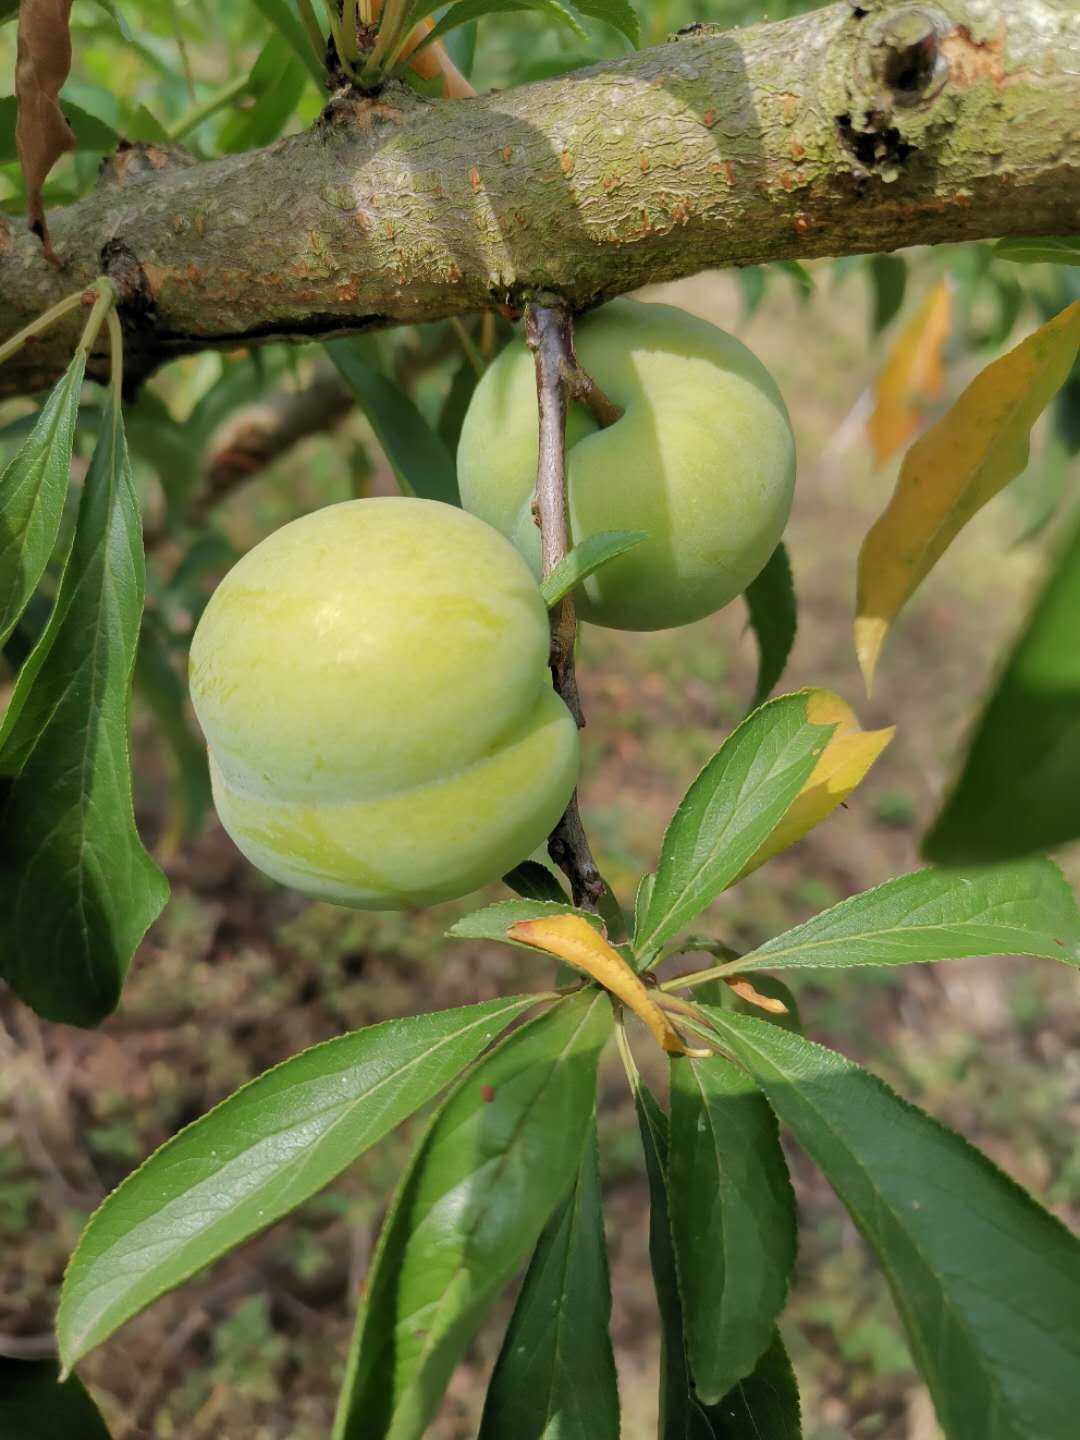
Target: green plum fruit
(372, 682)
(702, 461)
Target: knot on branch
(135, 161)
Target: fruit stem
(549, 334)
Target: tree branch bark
(861, 127)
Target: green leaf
(1025, 908)
(33, 489)
(732, 1219)
(729, 811)
(8, 10)
(466, 10)
(277, 82)
(282, 14)
(770, 600)
(456, 405)
(764, 1406)
(494, 921)
(143, 124)
(420, 459)
(555, 1375)
(985, 1281)
(1047, 249)
(34, 1405)
(256, 1156)
(768, 1398)
(619, 14)
(888, 278)
(534, 881)
(585, 559)
(496, 1161)
(1019, 787)
(91, 132)
(77, 889)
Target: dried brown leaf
(42, 134)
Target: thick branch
(856, 128)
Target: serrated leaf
(494, 921)
(256, 1156)
(35, 1405)
(732, 1220)
(764, 1405)
(575, 941)
(1025, 908)
(555, 1375)
(495, 1163)
(953, 470)
(33, 489)
(585, 559)
(986, 1282)
(728, 812)
(77, 889)
(1048, 249)
(912, 379)
(283, 16)
(888, 277)
(844, 764)
(534, 881)
(1019, 788)
(419, 458)
(770, 599)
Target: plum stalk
(549, 334)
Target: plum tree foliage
(386, 686)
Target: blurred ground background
(239, 974)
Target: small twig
(550, 336)
(584, 389)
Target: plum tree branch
(549, 333)
(856, 128)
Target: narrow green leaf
(77, 889)
(764, 1406)
(555, 1375)
(770, 600)
(494, 921)
(496, 1161)
(642, 897)
(888, 278)
(534, 881)
(729, 811)
(985, 1281)
(277, 82)
(1047, 249)
(256, 1156)
(142, 124)
(282, 14)
(732, 1219)
(456, 405)
(1021, 909)
(1019, 788)
(33, 489)
(420, 459)
(585, 559)
(768, 1398)
(464, 11)
(34, 1405)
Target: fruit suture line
(549, 334)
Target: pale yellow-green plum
(372, 682)
(703, 461)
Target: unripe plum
(703, 461)
(372, 682)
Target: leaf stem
(42, 322)
(334, 21)
(106, 300)
(699, 977)
(626, 1055)
(116, 361)
(210, 106)
(313, 28)
(472, 354)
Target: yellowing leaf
(574, 940)
(953, 470)
(913, 377)
(745, 991)
(844, 762)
